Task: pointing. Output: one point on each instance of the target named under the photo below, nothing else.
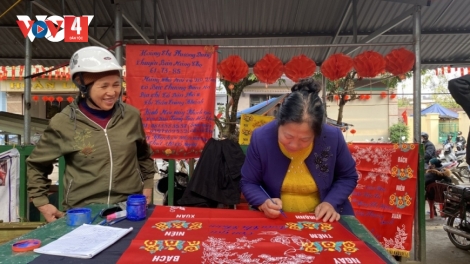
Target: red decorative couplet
(201, 235)
(385, 197)
(174, 89)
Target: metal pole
(318, 45)
(155, 22)
(354, 18)
(419, 221)
(27, 83)
(118, 33)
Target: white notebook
(85, 241)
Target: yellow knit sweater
(299, 192)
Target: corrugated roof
(445, 30)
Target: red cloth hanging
(13, 73)
(336, 66)
(405, 117)
(300, 67)
(369, 64)
(21, 72)
(269, 69)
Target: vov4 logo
(55, 28)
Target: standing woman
(102, 140)
(303, 164)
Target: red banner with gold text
(174, 89)
(203, 235)
(385, 197)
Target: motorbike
(457, 211)
(448, 156)
(180, 182)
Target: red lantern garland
(368, 96)
(233, 69)
(269, 69)
(346, 97)
(369, 64)
(399, 61)
(353, 131)
(51, 99)
(336, 66)
(393, 95)
(336, 97)
(59, 99)
(45, 98)
(35, 98)
(383, 95)
(70, 99)
(300, 67)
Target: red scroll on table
(200, 235)
(174, 89)
(385, 196)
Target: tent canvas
(442, 111)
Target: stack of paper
(84, 242)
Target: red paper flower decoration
(353, 131)
(233, 69)
(369, 64)
(45, 98)
(336, 66)
(399, 61)
(59, 99)
(35, 98)
(70, 99)
(269, 69)
(383, 95)
(299, 67)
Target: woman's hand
(148, 195)
(270, 209)
(326, 211)
(50, 212)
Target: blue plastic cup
(78, 216)
(136, 207)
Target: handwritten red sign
(385, 197)
(174, 89)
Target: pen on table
(269, 197)
(117, 220)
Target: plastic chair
(436, 190)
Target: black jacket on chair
(216, 177)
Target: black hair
(303, 105)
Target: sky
(405, 88)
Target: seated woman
(435, 173)
(304, 164)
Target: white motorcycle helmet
(91, 60)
